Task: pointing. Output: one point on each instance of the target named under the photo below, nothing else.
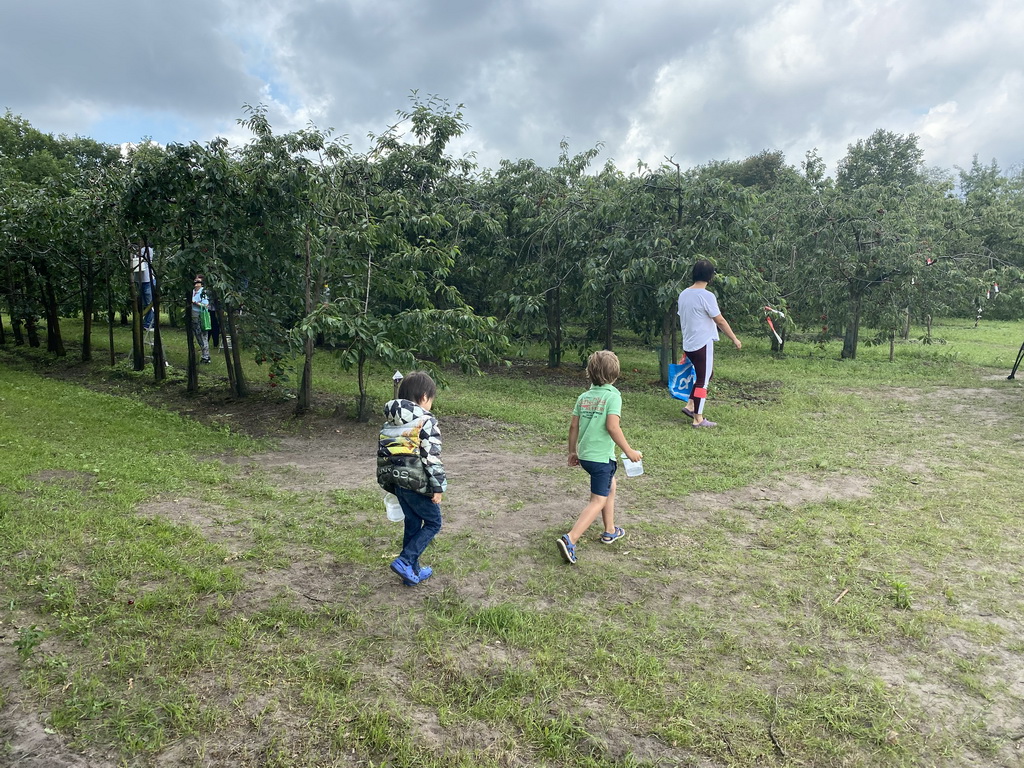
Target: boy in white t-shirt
(700, 320)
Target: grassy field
(831, 578)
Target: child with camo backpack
(409, 466)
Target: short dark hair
(703, 271)
(417, 386)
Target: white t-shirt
(697, 307)
(140, 264)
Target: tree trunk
(86, 290)
(192, 377)
(305, 396)
(892, 346)
(363, 409)
(32, 330)
(609, 310)
(159, 364)
(241, 388)
(87, 314)
(305, 399)
(852, 334)
(54, 340)
(138, 343)
(906, 324)
(229, 360)
(21, 313)
(7, 283)
(554, 316)
(111, 316)
(668, 352)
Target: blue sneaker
(567, 548)
(403, 569)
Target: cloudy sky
(695, 80)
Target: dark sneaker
(567, 548)
(403, 569)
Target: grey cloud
(529, 75)
(139, 55)
(699, 80)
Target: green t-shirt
(594, 407)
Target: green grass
(734, 627)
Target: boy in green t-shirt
(593, 435)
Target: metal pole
(1016, 365)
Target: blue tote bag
(681, 378)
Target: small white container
(393, 508)
(633, 468)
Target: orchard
(405, 254)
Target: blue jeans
(422, 523)
(145, 299)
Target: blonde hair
(602, 367)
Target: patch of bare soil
(979, 408)
(82, 481)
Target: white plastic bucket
(633, 468)
(393, 508)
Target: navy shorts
(601, 473)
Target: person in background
(142, 274)
(199, 303)
(700, 320)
